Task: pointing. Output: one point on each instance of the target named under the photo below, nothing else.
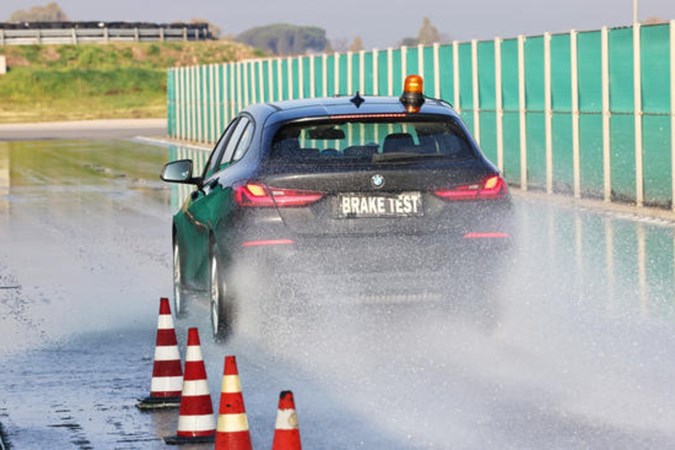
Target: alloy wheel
(215, 295)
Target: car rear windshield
(350, 141)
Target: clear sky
(380, 23)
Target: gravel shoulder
(85, 129)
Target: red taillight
(492, 235)
(267, 242)
(259, 195)
(490, 188)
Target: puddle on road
(73, 168)
(577, 340)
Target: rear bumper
(371, 266)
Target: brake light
(492, 187)
(267, 242)
(493, 235)
(258, 195)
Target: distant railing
(80, 33)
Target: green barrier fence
(590, 114)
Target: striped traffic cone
(232, 432)
(167, 374)
(196, 423)
(286, 432)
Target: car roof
(288, 110)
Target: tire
(220, 299)
(178, 290)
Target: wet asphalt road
(574, 348)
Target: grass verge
(99, 81)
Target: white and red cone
(286, 431)
(167, 374)
(196, 422)
(232, 432)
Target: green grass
(77, 82)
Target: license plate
(355, 205)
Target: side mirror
(179, 172)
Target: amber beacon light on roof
(413, 93)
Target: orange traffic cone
(232, 432)
(196, 423)
(286, 432)
(167, 374)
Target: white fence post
(576, 163)
(261, 81)
(362, 71)
(475, 92)
(211, 111)
(606, 119)
(251, 95)
(499, 104)
(280, 81)
(191, 125)
(455, 76)
(437, 70)
(177, 96)
(232, 80)
(336, 74)
(672, 112)
(523, 112)
(548, 113)
(637, 91)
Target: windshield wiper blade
(406, 156)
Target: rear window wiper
(406, 156)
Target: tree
(51, 12)
(653, 21)
(338, 45)
(409, 42)
(357, 45)
(428, 33)
(285, 39)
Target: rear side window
(370, 142)
(233, 143)
(219, 149)
(244, 143)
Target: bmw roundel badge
(377, 181)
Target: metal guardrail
(100, 35)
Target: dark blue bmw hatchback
(347, 186)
